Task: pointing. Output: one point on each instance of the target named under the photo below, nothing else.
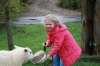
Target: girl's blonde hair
(53, 18)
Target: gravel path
(35, 12)
(44, 7)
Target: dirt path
(44, 7)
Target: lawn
(34, 35)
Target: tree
(8, 26)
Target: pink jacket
(63, 43)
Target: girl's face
(49, 25)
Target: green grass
(34, 35)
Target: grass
(34, 35)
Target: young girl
(65, 50)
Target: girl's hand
(47, 56)
(46, 45)
(43, 44)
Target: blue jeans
(57, 61)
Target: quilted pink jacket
(63, 43)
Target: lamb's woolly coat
(16, 57)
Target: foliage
(71, 4)
(15, 7)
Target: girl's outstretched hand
(43, 44)
(48, 56)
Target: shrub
(15, 7)
(71, 4)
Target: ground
(44, 7)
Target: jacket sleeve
(58, 41)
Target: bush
(15, 7)
(71, 4)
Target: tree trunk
(8, 27)
(87, 26)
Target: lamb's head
(28, 53)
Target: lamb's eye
(30, 52)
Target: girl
(65, 50)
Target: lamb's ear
(25, 50)
(17, 46)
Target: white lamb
(16, 57)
